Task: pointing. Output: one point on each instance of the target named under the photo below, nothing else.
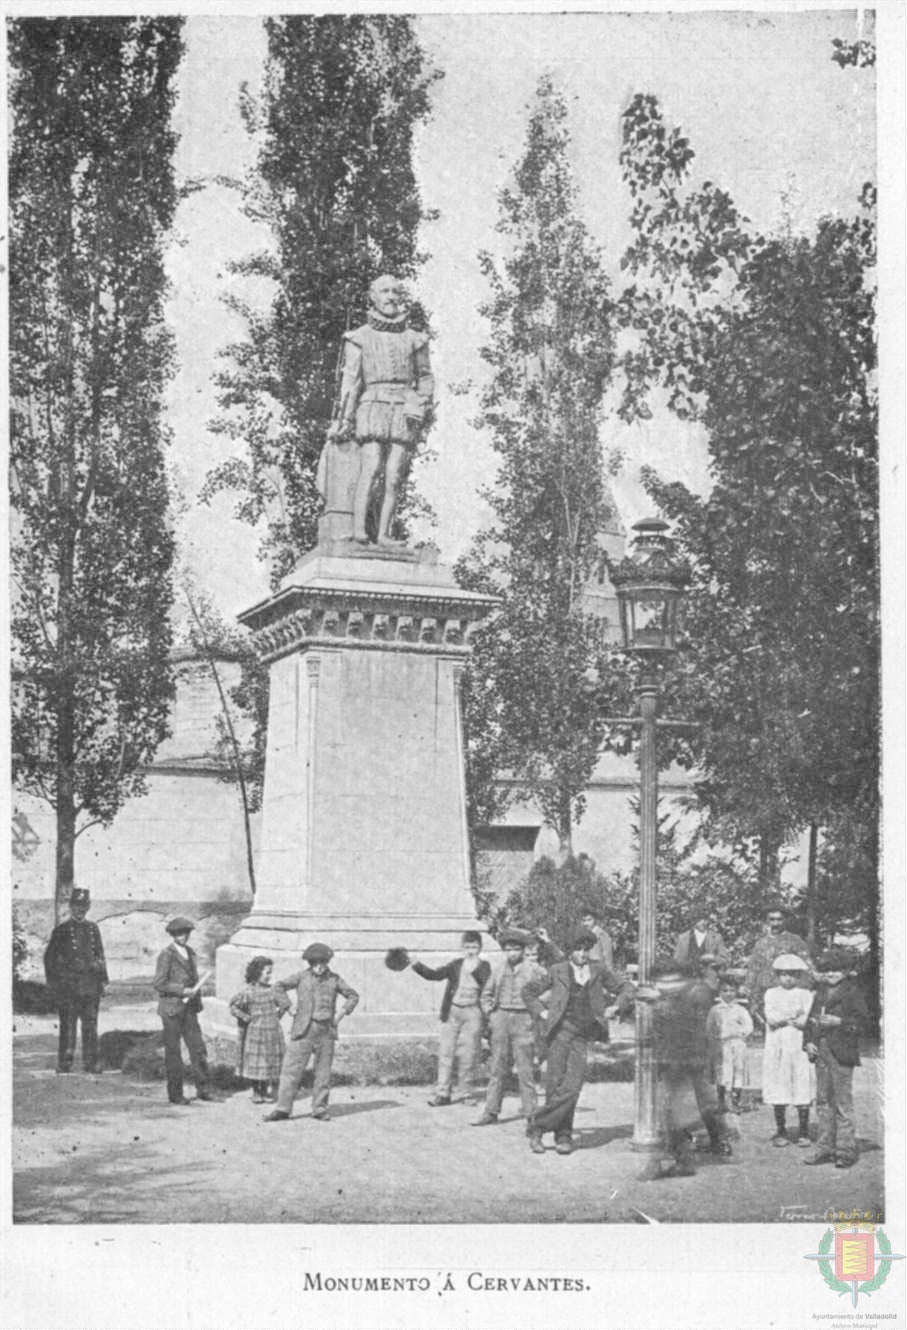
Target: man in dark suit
(578, 1011)
(175, 982)
(461, 1017)
(76, 971)
(836, 1020)
(315, 1027)
(701, 948)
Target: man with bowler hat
(315, 1026)
(176, 984)
(76, 971)
(578, 1011)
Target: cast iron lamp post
(650, 584)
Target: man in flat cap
(837, 1017)
(76, 971)
(176, 982)
(510, 1021)
(578, 1011)
(315, 1027)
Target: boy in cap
(831, 1039)
(682, 1001)
(511, 1025)
(315, 1026)
(461, 1017)
(603, 951)
(577, 1014)
(76, 971)
(175, 982)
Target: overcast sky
(768, 114)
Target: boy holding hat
(176, 984)
(315, 1026)
(461, 1016)
(76, 971)
(577, 1013)
(836, 1019)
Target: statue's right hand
(338, 430)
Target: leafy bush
(555, 896)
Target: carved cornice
(428, 623)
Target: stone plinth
(364, 842)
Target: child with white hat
(787, 1076)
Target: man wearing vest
(578, 1011)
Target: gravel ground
(105, 1149)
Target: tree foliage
(691, 881)
(92, 197)
(530, 709)
(770, 343)
(334, 182)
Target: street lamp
(650, 584)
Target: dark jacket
(557, 983)
(679, 1026)
(304, 982)
(74, 959)
(686, 951)
(842, 1041)
(451, 972)
(171, 976)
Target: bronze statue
(385, 406)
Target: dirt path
(104, 1149)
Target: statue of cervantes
(385, 406)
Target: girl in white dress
(787, 1075)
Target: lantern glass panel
(651, 621)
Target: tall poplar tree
(92, 197)
(343, 98)
(530, 709)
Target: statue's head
(386, 296)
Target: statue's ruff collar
(385, 325)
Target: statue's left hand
(340, 430)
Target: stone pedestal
(364, 842)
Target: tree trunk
(811, 893)
(769, 868)
(872, 928)
(65, 754)
(234, 744)
(565, 825)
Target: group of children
(811, 1038)
(811, 1048)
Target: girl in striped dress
(258, 1009)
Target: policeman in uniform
(76, 971)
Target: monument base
(364, 841)
(396, 1005)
